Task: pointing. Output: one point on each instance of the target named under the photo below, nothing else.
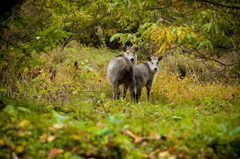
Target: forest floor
(67, 111)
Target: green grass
(176, 123)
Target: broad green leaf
(3, 90)
(177, 118)
(145, 45)
(234, 131)
(128, 37)
(24, 109)
(209, 26)
(58, 118)
(10, 109)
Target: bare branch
(237, 52)
(176, 46)
(207, 58)
(70, 38)
(217, 4)
(13, 44)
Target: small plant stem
(104, 109)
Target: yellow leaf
(1, 143)
(58, 126)
(43, 137)
(60, 150)
(51, 138)
(154, 135)
(43, 74)
(160, 38)
(67, 155)
(166, 155)
(20, 148)
(185, 148)
(135, 137)
(129, 133)
(179, 32)
(212, 63)
(168, 35)
(24, 123)
(75, 137)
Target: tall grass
(73, 114)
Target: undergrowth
(72, 114)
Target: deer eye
(152, 62)
(127, 52)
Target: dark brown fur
(121, 71)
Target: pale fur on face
(153, 64)
(130, 53)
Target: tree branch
(214, 59)
(13, 44)
(217, 4)
(70, 38)
(176, 46)
(237, 52)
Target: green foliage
(205, 26)
(57, 119)
(69, 112)
(11, 110)
(182, 130)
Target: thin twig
(214, 59)
(176, 46)
(217, 4)
(237, 52)
(71, 37)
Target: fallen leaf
(186, 148)
(21, 133)
(60, 150)
(135, 137)
(80, 131)
(129, 133)
(74, 149)
(151, 155)
(29, 157)
(75, 137)
(99, 125)
(24, 123)
(58, 126)
(154, 135)
(145, 156)
(51, 138)
(206, 155)
(1, 142)
(91, 152)
(170, 137)
(9, 144)
(67, 155)
(166, 155)
(20, 148)
(14, 155)
(52, 128)
(52, 153)
(43, 137)
(171, 149)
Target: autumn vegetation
(56, 100)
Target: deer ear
(136, 49)
(160, 58)
(124, 48)
(149, 58)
